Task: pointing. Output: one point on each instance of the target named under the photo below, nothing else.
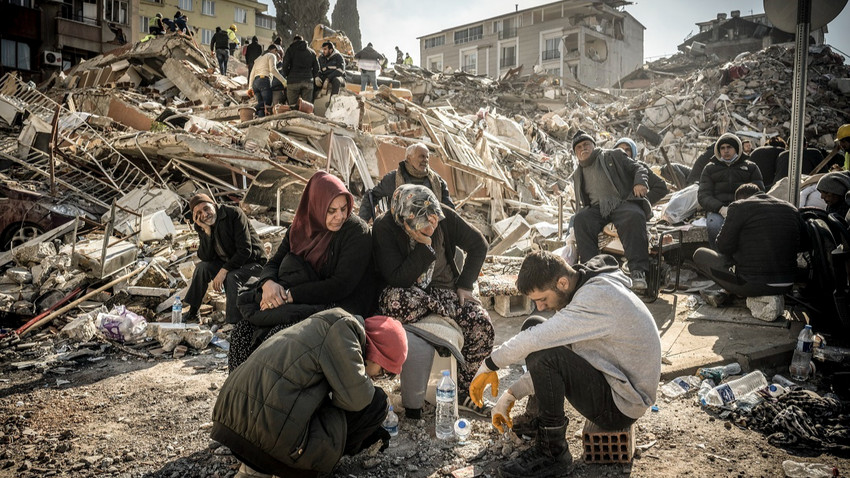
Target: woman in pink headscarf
(324, 261)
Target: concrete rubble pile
(120, 142)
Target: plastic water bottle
(391, 423)
(462, 430)
(749, 401)
(446, 396)
(177, 311)
(800, 367)
(719, 373)
(727, 393)
(680, 386)
(780, 380)
(704, 388)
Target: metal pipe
(798, 102)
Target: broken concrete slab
(189, 84)
(119, 255)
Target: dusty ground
(130, 417)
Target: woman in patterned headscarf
(415, 245)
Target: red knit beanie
(386, 343)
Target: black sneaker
(413, 413)
(466, 404)
(639, 281)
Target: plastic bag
(570, 250)
(122, 325)
(683, 204)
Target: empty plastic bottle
(680, 386)
(727, 393)
(446, 396)
(719, 373)
(391, 422)
(780, 380)
(704, 388)
(749, 401)
(462, 430)
(177, 311)
(800, 367)
(795, 469)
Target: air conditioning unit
(52, 58)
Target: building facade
(43, 36)
(727, 37)
(205, 15)
(595, 43)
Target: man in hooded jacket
(300, 67)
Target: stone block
(512, 305)
(767, 308)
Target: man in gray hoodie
(601, 350)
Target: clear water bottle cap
(446, 373)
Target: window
(469, 61)
(435, 41)
(507, 57)
(206, 36)
(184, 5)
(15, 55)
(22, 3)
(145, 23)
(434, 63)
(469, 34)
(263, 21)
(115, 11)
(550, 49)
(553, 71)
(506, 28)
(240, 15)
(208, 8)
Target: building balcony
(468, 39)
(550, 55)
(82, 33)
(507, 33)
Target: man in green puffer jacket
(305, 397)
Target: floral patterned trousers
(411, 304)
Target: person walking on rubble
(720, 179)
(218, 45)
(756, 250)
(610, 187)
(413, 170)
(601, 351)
(230, 252)
(300, 68)
(252, 51)
(260, 80)
(369, 61)
(232, 39)
(399, 56)
(331, 69)
(307, 397)
(407, 60)
(657, 186)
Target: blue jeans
(222, 55)
(713, 223)
(370, 77)
(263, 91)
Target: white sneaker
(639, 281)
(246, 471)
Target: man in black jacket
(230, 253)
(728, 169)
(331, 68)
(610, 187)
(767, 159)
(756, 250)
(219, 48)
(252, 52)
(413, 170)
(300, 67)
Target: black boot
(549, 457)
(526, 424)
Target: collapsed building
(112, 148)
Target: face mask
(730, 161)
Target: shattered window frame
(208, 7)
(116, 11)
(236, 15)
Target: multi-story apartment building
(41, 36)
(594, 42)
(204, 15)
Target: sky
(387, 23)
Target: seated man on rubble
(720, 179)
(331, 69)
(610, 187)
(306, 397)
(601, 351)
(230, 252)
(833, 186)
(413, 170)
(756, 250)
(657, 186)
(766, 158)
